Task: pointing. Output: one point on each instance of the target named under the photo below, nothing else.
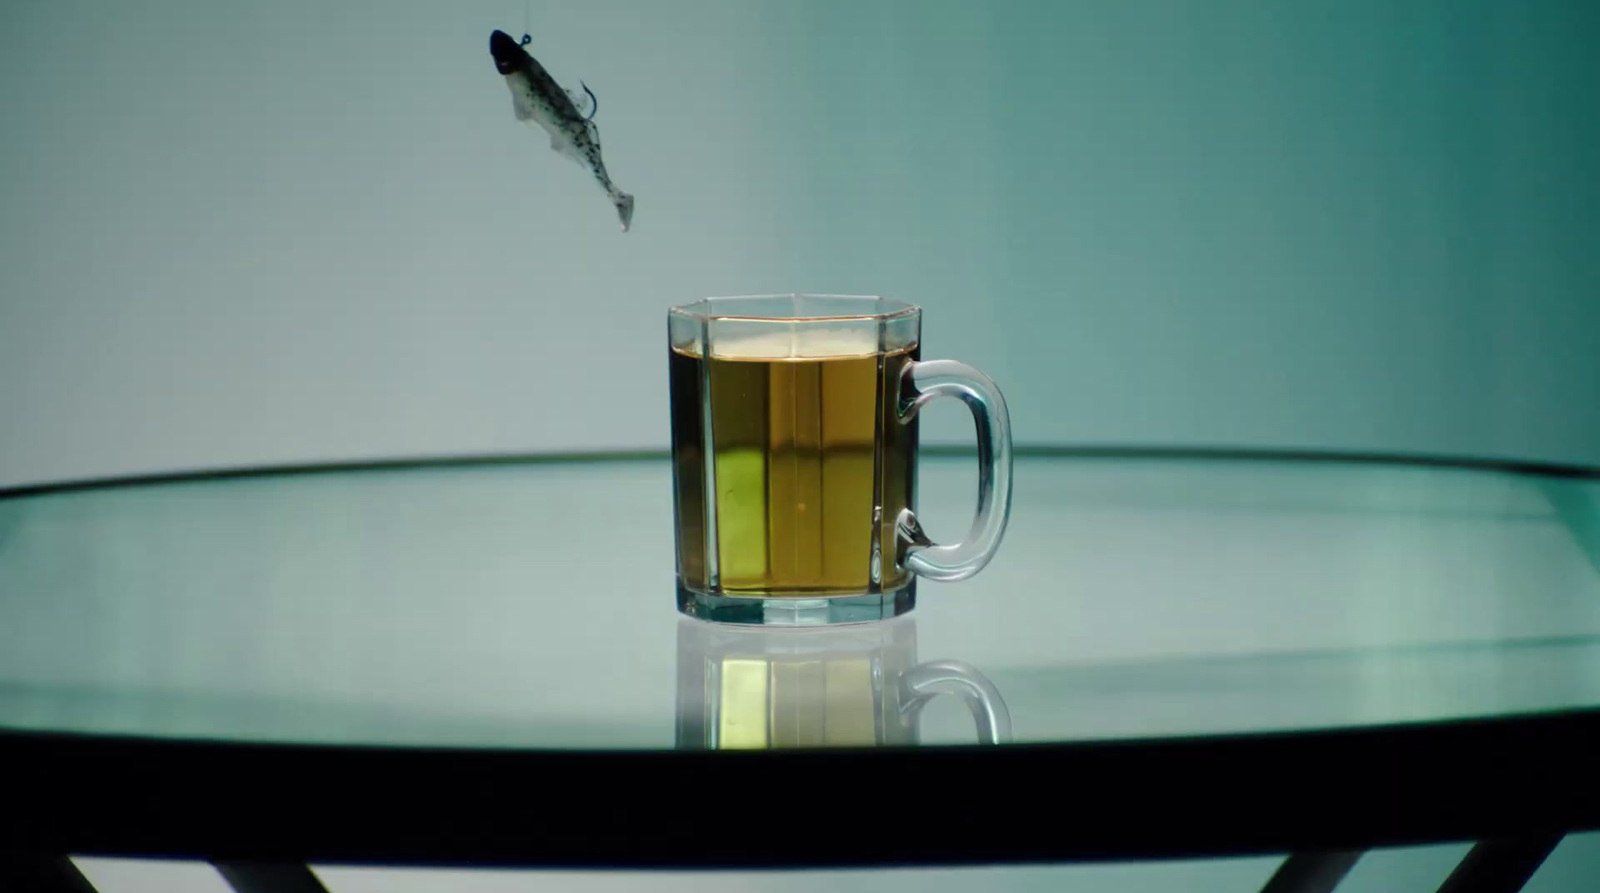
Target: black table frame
(1514, 777)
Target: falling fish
(537, 99)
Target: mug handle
(924, 682)
(921, 382)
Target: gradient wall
(267, 232)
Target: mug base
(797, 610)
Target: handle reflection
(760, 687)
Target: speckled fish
(537, 99)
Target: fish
(536, 98)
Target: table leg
(269, 877)
(1500, 866)
(46, 874)
(1312, 872)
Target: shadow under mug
(794, 447)
(743, 687)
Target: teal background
(236, 233)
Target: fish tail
(624, 203)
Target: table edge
(1137, 799)
(1522, 467)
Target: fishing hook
(594, 103)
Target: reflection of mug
(794, 443)
(744, 687)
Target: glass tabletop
(529, 605)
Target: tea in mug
(809, 463)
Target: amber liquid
(809, 468)
(825, 702)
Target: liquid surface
(809, 469)
(787, 343)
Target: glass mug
(743, 687)
(794, 446)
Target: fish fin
(624, 203)
(521, 109)
(565, 150)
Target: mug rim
(701, 309)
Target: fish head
(507, 52)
